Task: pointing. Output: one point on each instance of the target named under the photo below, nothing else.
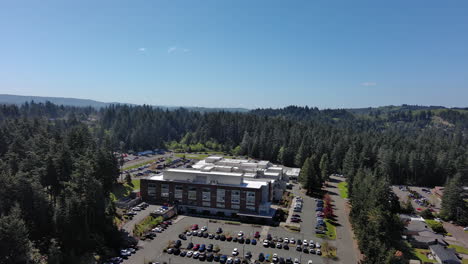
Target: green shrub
(146, 224)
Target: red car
(195, 227)
(196, 247)
(257, 234)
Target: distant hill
(21, 99)
(393, 108)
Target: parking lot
(152, 250)
(403, 195)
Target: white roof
(255, 184)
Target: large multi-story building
(219, 186)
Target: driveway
(347, 249)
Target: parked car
(235, 252)
(254, 242)
(261, 257)
(219, 230)
(257, 234)
(194, 227)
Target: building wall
(199, 202)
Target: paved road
(151, 250)
(309, 220)
(137, 218)
(457, 233)
(403, 197)
(347, 248)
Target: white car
(275, 258)
(203, 229)
(235, 252)
(292, 240)
(311, 242)
(240, 234)
(229, 260)
(304, 243)
(125, 253)
(465, 229)
(309, 262)
(189, 233)
(189, 254)
(286, 240)
(319, 252)
(136, 209)
(318, 245)
(266, 243)
(296, 261)
(196, 254)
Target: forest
(58, 166)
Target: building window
(179, 190)
(250, 198)
(206, 194)
(250, 208)
(220, 195)
(206, 204)
(192, 193)
(220, 205)
(151, 189)
(235, 206)
(164, 190)
(235, 196)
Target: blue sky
(220, 53)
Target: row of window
(206, 195)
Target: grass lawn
(465, 261)
(343, 187)
(137, 165)
(121, 190)
(421, 255)
(331, 231)
(459, 249)
(435, 225)
(192, 156)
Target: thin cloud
(369, 84)
(142, 49)
(175, 49)
(171, 49)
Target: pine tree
(15, 246)
(324, 167)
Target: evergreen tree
(15, 246)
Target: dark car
(202, 257)
(248, 255)
(241, 240)
(183, 253)
(217, 237)
(219, 230)
(223, 259)
(209, 248)
(299, 242)
(209, 256)
(190, 245)
(299, 248)
(210, 236)
(200, 234)
(289, 261)
(257, 234)
(281, 260)
(285, 246)
(269, 237)
(222, 237)
(176, 251)
(229, 238)
(234, 239)
(261, 257)
(202, 248)
(216, 257)
(254, 242)
(182, 236)
(279, 245)
(205, 235)
(295, 220)
(247, 241)
(319, 209)
(305, 250)
(272, 244)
